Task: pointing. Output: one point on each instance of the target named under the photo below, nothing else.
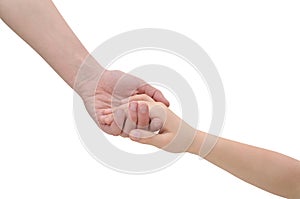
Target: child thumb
(143, 136)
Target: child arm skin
(268, 170)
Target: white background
(255, 47)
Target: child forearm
(268, 170)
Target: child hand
(137, 116)
(174, 134)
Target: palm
(113, 88)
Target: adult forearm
(40, 24)
(271, 171)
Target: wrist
(187, 138)
(195, 147)
(87, 77)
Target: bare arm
(39, 23)
(44, 29)
(268, 170)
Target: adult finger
(137, 97)
(153, 93)
(117, 125)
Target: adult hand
(111, 89)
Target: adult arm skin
(268, 170)
(40, 24)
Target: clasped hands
(124, 105)
(144, 116)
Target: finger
(143, 116)
(106, 111)
(158, 111)
(133, 111)
(106, 119)
(131, 120)
(117, 125)
(155, 124)
(146, 137)
(137, 97)
(153, 93)
(159, 97)
(128, 126)
(104, 116)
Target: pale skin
(39, 23)
(268, 170)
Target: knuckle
(144, 96)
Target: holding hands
(105, 91)
(268, 170)
(144, 117)
(122, 104)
